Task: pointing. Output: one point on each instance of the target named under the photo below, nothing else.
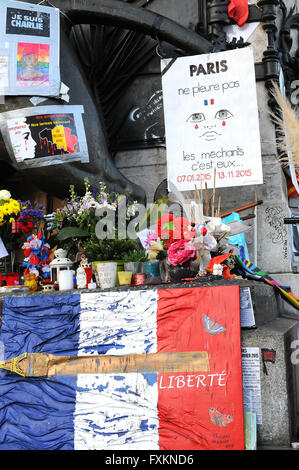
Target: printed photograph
(33, 65)
(43, 136)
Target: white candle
(65, 280)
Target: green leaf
(72, 232)
(153, 214)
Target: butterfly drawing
(211, 326)
(218, 418)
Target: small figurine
(217, 270)
(83, 273)
(81, 277)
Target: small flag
(206, 102)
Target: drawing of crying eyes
(196, 117)
(223, 114)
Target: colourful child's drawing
(33, 65)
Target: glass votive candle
(124, 278)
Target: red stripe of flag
(188, 403)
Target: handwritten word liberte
(193, 381)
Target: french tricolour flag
(124, 411)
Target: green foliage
(72, 232)
(153, 214)
(135, 256)
(108, 249)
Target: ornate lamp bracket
(213, 17)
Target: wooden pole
(214, 187)
(207, 203)
(47, 365)
(243, 208)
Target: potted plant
(134, 260)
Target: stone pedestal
(277, 389)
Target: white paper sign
(211, 120)
(252, 400)
(3, 72)
(3, 250)
(31, 37)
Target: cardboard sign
(211, 120)
(44, 135)
(182, 408)
(30, 38)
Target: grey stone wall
(268, 242)
(277, 419)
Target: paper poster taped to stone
(45, 135)
(211, 120)
(31, 39)
(28, 22)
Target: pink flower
(180, 252)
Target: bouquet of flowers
(31, 214)
(9, 208)
(9, 211)
(76, 223)
(189, 242)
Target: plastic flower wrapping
(153, 245)
(36, 252)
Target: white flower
(5, 195)
(99, 207)
(131, 210)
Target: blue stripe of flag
(38, 413)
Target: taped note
(44, 135)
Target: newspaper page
(252, 400)
(246, 308)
